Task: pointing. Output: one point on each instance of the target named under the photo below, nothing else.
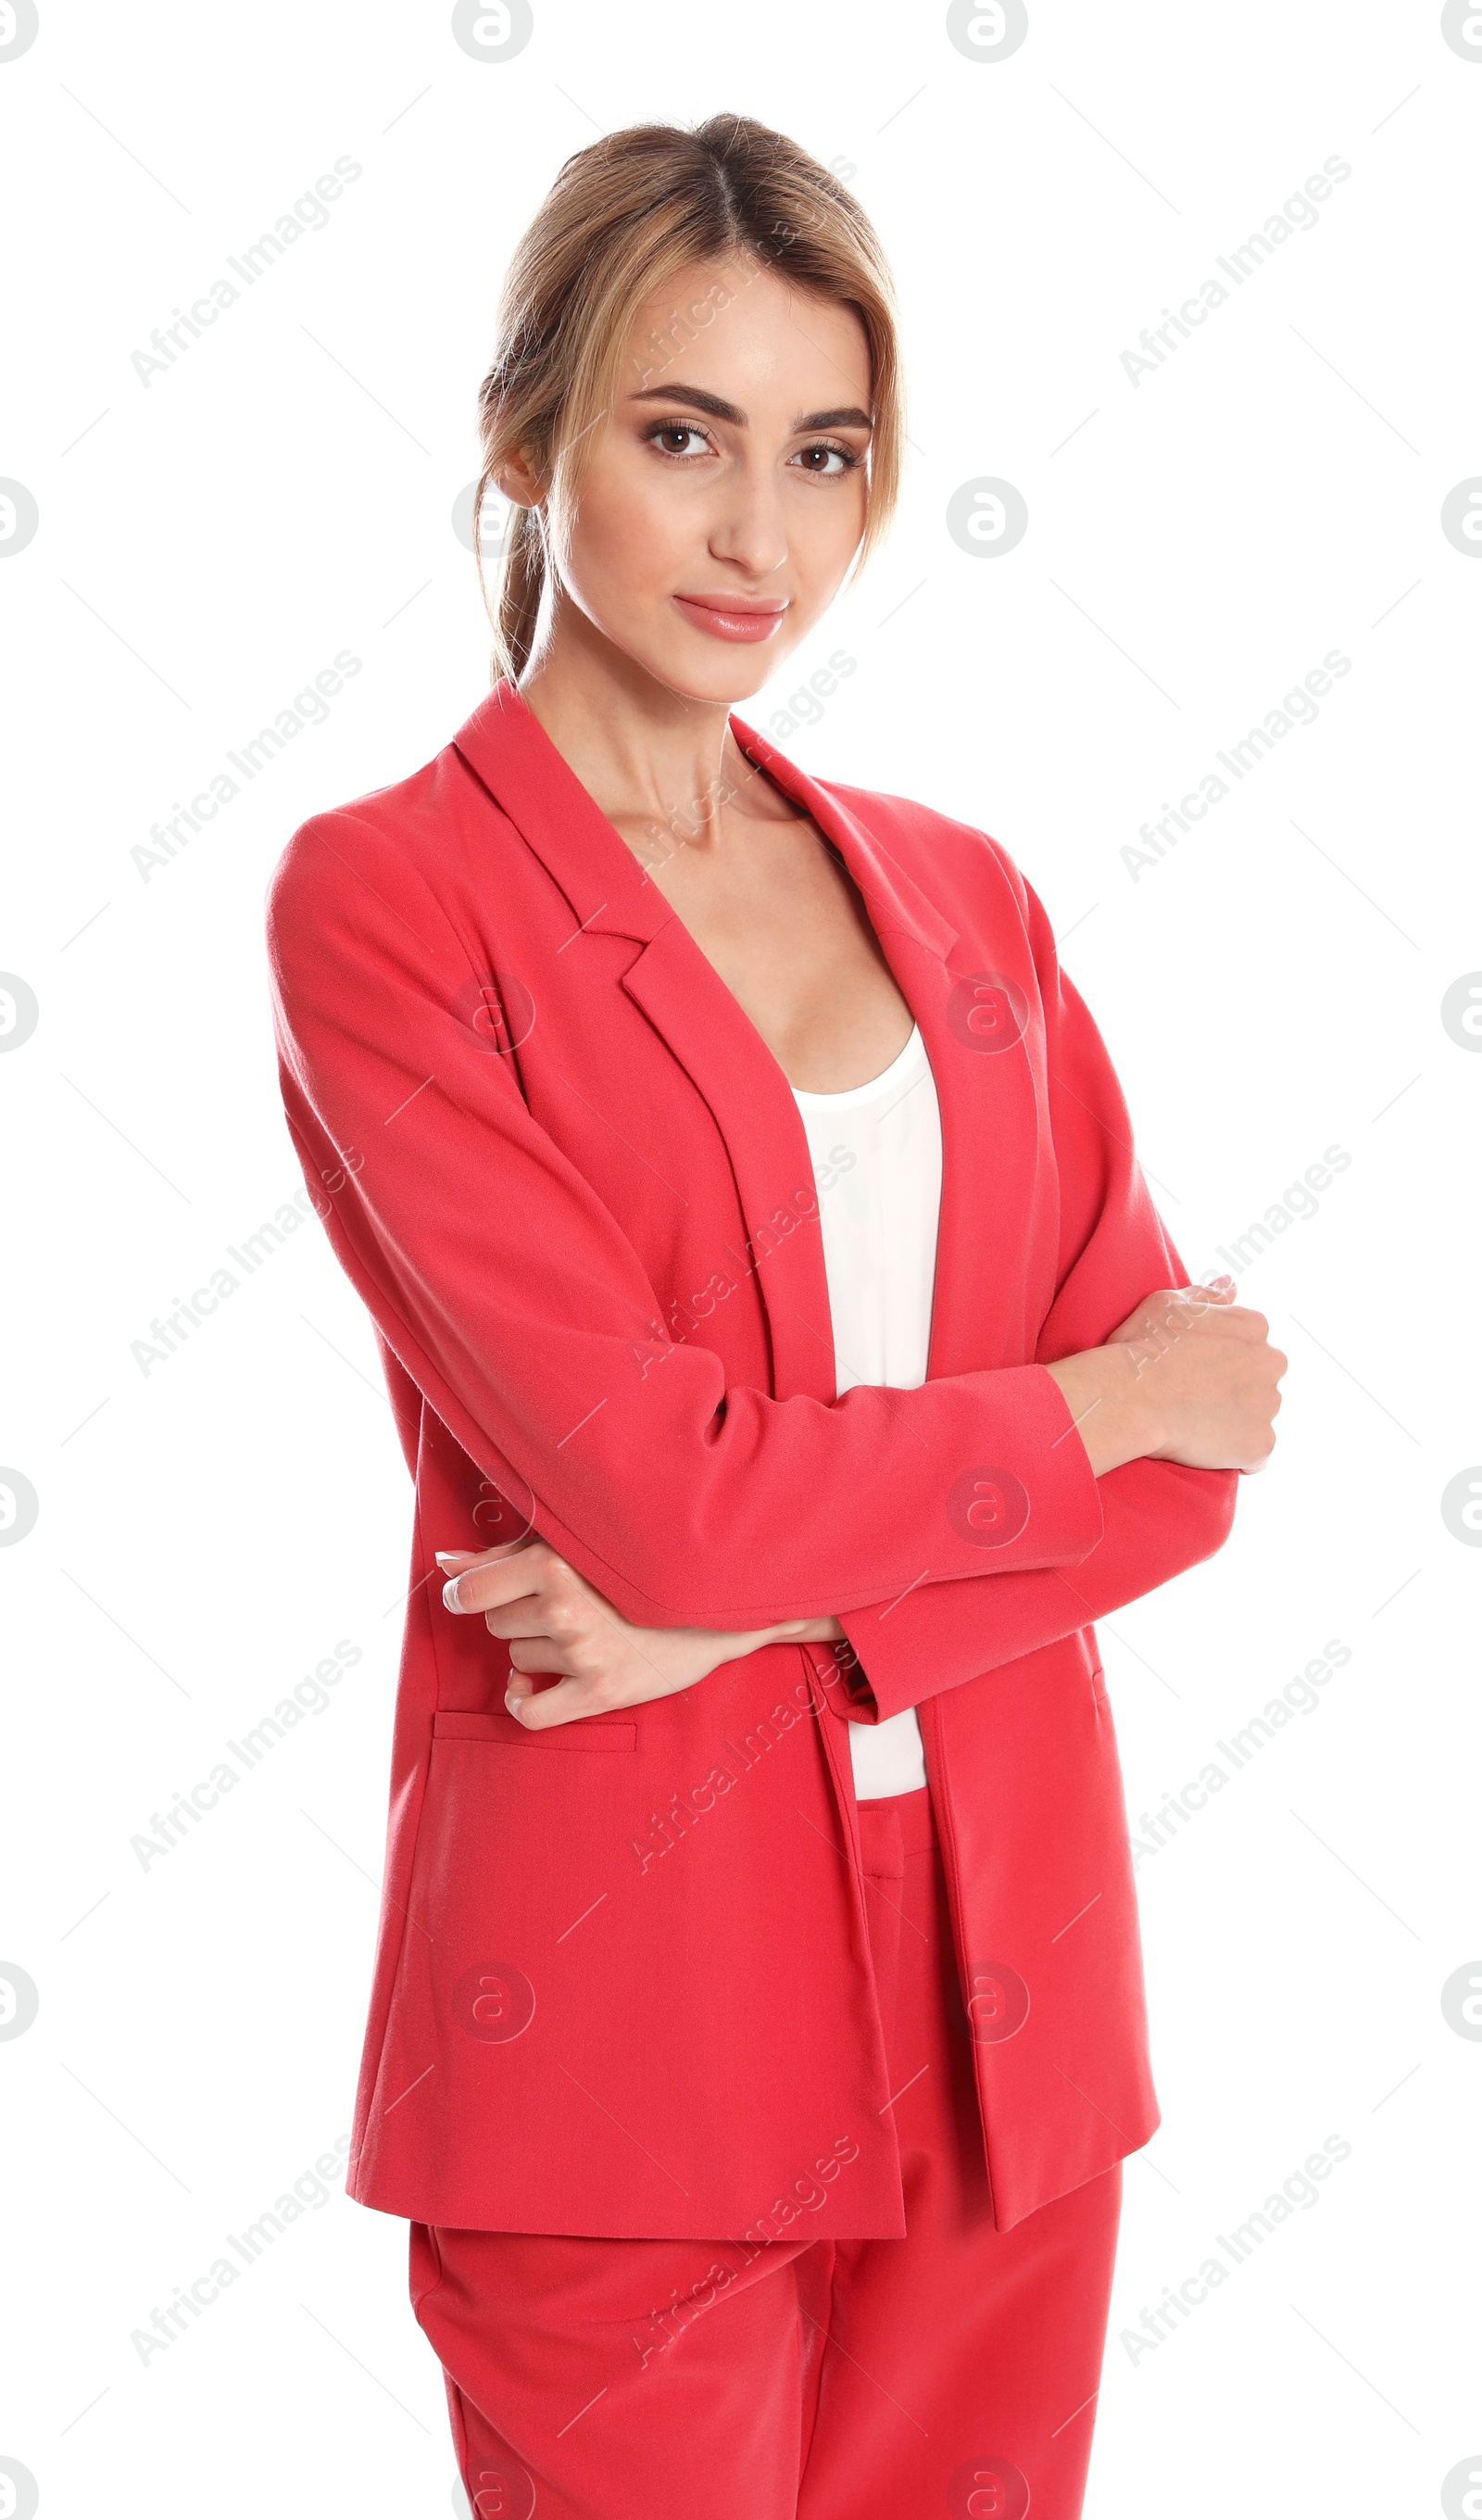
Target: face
(725, 497)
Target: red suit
(624, 1982)
(951, 2375)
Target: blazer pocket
(507, 1733)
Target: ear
(518, 482)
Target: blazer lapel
(714, 1040)
(998, 1206)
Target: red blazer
(622, 1983)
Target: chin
(732, 676)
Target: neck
(644, 753)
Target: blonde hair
(620, 219)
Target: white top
(876, 1154)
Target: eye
(664, 433)
(837, 459)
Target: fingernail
(445, 1557)
(450, 1594)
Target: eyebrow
(847, 416)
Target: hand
(555, 1621)
(1211, 1373)
(1189, 1376)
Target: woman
(792, 1366)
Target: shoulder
(361, 907)
(936, 850)
(372, 832)
(373, 858)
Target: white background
(208, 1530)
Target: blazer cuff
(877, 1671)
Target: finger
(487, 1584)
(1167, 1311)
(526, 1617)
(540, 1653)
(1199, 1298)
(547, 1708)
(454, 1560)
(1232, 1320)
(1161, 1321)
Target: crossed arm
(1189, 1377)
(516, 1316)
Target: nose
(747, 529)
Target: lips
(721, 618)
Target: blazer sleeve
(1158, 1516)
(514, 1300)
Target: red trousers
(949, 2376)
